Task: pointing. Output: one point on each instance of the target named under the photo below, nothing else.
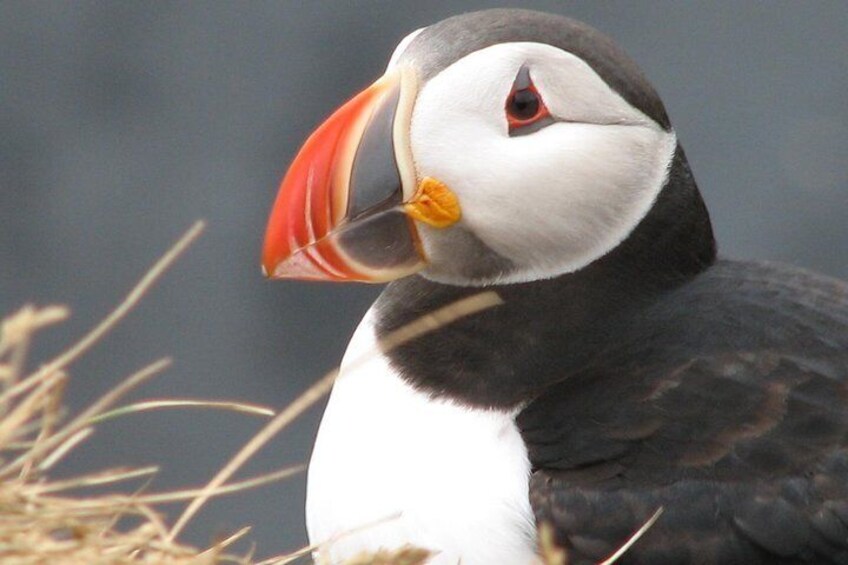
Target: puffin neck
(549, 329)
(673, 242)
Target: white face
(551, 201)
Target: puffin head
(500, 146)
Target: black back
(726, 406)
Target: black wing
(742, 440)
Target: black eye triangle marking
(522, 79)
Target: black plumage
(730, 415)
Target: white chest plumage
(396, 467)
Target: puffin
(629, 381)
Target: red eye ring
(524, 105)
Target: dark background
(123, 122)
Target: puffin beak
(347, 207)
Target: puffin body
(626, 370)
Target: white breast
(396, 467)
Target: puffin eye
(523, 105)
(525, 110)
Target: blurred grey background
(123, 122)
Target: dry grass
(40, 520)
